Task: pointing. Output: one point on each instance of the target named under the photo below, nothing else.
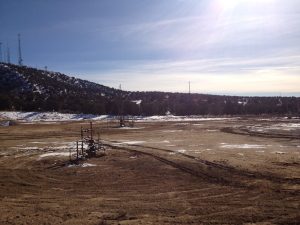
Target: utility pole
(0, 53)
(20, 56)
(8, 56)
(4, 56)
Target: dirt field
(239, 171)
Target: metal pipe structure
(93, 145)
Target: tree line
(180, 104)
(57, 92)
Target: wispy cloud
(278, 74)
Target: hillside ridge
(25, 88)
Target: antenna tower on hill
(20, 56)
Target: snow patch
(242, 146)
(5, 124)
(55, 154)
(181, 151)
(172, 131)
(87, 165)
(133, 142)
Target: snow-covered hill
(11, 80)
(19, 79)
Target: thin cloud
(226, 74)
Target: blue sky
(227, 47)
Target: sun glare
(232, 3)
(229, 2)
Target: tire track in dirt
(215, 165)
(245, 131)
(171, 163)
(231, 170)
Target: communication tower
(20, 56)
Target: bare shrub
(13, 123)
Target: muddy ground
(238, 171)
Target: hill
(28, 89)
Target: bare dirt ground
(240, 171)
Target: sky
(225, 47)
